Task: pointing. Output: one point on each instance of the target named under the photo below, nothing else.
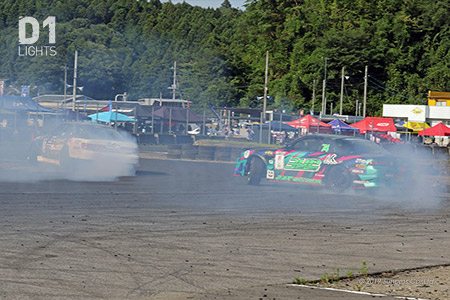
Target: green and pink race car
(335, 161)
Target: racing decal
(296, 179)
(357, 171)
(314, 153)
(331, 160)
(241, 162)
(303, 164)
(325, 148)
(279, 160)
(348, 157)
(361, 181)
(270, 174)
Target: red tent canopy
(307, 122)
(437, 130)
(375, 124)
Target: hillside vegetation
(130, 45)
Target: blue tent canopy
(110, 116)
(340, 126)
(21, 104)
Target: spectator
(250, 134)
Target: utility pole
(174, 85)
(65, 87)
(75, 80)
(324, 99)
(314, 95)
(265, 88)
(342, 91)
(365, 91)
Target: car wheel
(338, 179)
(256, 171)
(65, 161)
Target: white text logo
(30, 39)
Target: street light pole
(265, 88)
(65, 87)
(365, 91)
(174, 85)
(75, 80)
(314, 95)
(324, 99)
(342, 91)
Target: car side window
(299, 145)
(307, 144)
(344, 148)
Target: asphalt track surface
(189, 230)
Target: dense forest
(130, 46)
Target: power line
(375, 82)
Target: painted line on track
(356, 292)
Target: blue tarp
(339, 126)
(21, 104)
(110, 117)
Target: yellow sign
(417, 111)
(416, 126)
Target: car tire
(338, 179)
(65, 161)
(256, 171)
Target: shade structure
(416, 126)
(177, 114)
(276, 126)
(71, 115)
(340, 126)
(437, 130)
(307, 122)
(131, 108)
(375, 124)
(21, 104)
(110, 117)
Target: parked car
(193, 129)
(72, 143)
(337, 162)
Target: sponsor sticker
(303, 164)
(279, 161)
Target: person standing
(250, 134)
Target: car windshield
(98, 132)
(358, 146)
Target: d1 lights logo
(26, 40)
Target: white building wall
(440, 113)
(413, 113)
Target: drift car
(337, 162)
(73, 143)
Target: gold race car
(70, 144)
